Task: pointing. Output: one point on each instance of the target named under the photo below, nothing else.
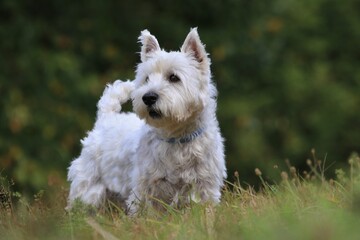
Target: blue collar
(185, 139)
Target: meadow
(302, 205)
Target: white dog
(171, 150)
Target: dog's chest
(179, 165)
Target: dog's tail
(114, 96)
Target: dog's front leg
(133, 203)
(158, 194)
(208, 190)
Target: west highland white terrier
(171, 150)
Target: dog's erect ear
(149, 45)
(193, 46)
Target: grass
(301, 206)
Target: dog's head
(172, 87)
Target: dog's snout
(150, 98)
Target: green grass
(301, 206)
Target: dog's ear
(192, 45)
(149, 45)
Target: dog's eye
(173, 78)
(146, 79)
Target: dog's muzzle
(150, 99)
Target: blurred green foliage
(287, 71)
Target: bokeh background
(288, 74)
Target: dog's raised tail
(114, 96)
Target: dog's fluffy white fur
(170, 150)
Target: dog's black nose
(150, 98)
